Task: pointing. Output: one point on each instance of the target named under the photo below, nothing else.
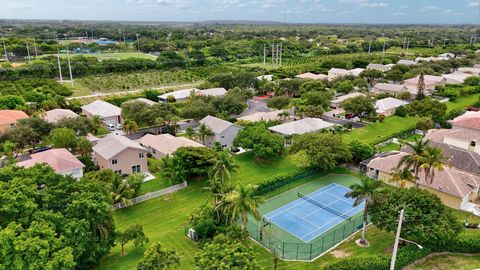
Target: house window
(473, 143)
(141, 155)
(114, 161)
(136, 169)
(154, 151)
(119, 172)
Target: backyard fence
(150, 195)
(302, 251)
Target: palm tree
(223, 165)
(204, 132)
(121, 192)
(432, 159)
(130, 126)
(160, 122)
(97, 122)
(83, 147)
(414, 160)
(363, 191)
(402, 176)
(240, 202)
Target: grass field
(380, 131)
(463, 102)
(448, 262)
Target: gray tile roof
(217, 125)
(111, 145)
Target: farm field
(114, 55)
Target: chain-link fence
(266, 236)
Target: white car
(111, 127)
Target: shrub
(401, 111)
(279, 102)
(280, 180)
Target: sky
(290, 11)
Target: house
(60, 159)
(356, 72)
(305, 125)
(178, 96)
(267, 78)
(335, 104)
(109, 113)
(407, 62)
(455, 78)
(456, 188)
(447, 55)
(469, 70)
(388, 88)
(388, 106)
(223, 131)
(265, 116)
(312, 76)
(470, 120)
(334, 73)
(165, 144)
(380, 67)
(145, 101)
(463, 138)
(9, 118)
(430, 82)
(53, 116)
(212, 92)
(120, 154)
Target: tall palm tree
(130, 126)
(204, 132)
(240, 202)
(363, 191)
(97, 122)
(224, 164)
(432, 160)
(121, 192)
(402, 176)
(414, 160)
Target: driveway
(255, 106)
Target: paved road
(339, 121)
(185, 86)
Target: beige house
(312, 76)
(9, 118)
(335, 104)
(61, 160)
(109, 113)
(455, 78)
(380, 67)
(53, 116)
(388, 106)
(470, 120)
(145, 101)
(182, 95)
(120, 154)
(467, 139)
(266, 116)
(389, 88)
(165, 144)
(455, 188)
(430, 82)
(302, 126)
(470, 70)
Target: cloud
(363, 3)
(376, 4)
(403, 7)
(429, 8)
(474, 4)
(399, 14)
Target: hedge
(464, 243)
(280, 180)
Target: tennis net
(324, 206)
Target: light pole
(397, 240)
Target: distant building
(407, 62)
(388, 106)
(182, 95)
(120, 154)
(463, 138)
(455, 78)
(312, 76)
(469, 70)
(430, 82)
(53, 116)
(380, 67)
(470, 120)
(267, 78)
(302, 126)
(143, 100)
(165, 144)
(61, 160)
(224, 132)
(9, 118)
(388, 88)
(264, 116)
(109, 113)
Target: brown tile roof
(8, 117)
(61, 160)
(468, 120)
(438, 135)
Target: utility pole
(5, 51)
(138, 41)
(433, 40)
(59, 65)
(264, 54)
(408, 43)
(397, 239)
(273, 53)
(276, 57)
(383, 46)
(369, 45)
(35, 47)
(69, 66)
(281, 51)
(28, 53)
(445, 41)
(404, 43)
(475, 39)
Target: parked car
(111, 127)
(119, 126)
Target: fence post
(344, 231)
(283, 250)
(323, 240)
(311, 246)
(334, 238)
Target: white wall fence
(150, 195)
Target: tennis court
(307, 220)
(313, 214)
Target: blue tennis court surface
(316, 213)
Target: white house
(455, 78)
(463, 138)
(407, 62)
(312, 76)
(388, 106)
(212, 92)
(53, 116)
(430, 82)
(60, 159)
(145, 101)
(265, 116)
(380, 67)
(179, 95)
(109, 113)
(469, 70)
(335, 104)
(305, 125)
(389, 88)
(224, 132)
(337, 72)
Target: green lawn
(463, 102)
(380, 131)
(448, 262)
(155, 184)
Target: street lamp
(397, 239)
